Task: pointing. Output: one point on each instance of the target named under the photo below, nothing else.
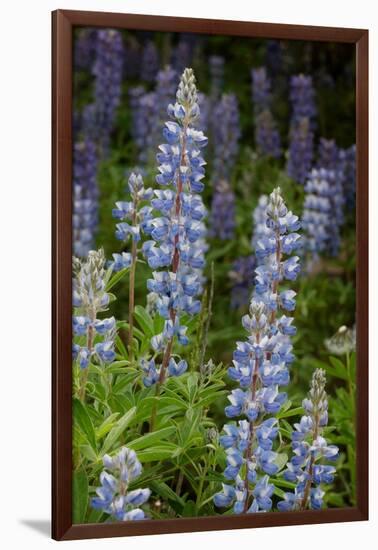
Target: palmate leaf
(148, 440)
(162, 451)
(116, 278)
(79, 496)
(117, 430)
(106, 426)
(291, 412)
(145, 320)
(84, 422)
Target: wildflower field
(213, 275)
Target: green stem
(90, 341)
(180, 480)
(132, 299)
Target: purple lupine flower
(301, 148)
(216, 67)
(347, 159)
(89, 299)
(273, 56)
(85, 197)
(132, 58)
(260, 366)
(113, 496)
(182, 53)
(267, 137)
(310, 449)
(323, 212)
(226, 136)
(149, 110)
(241, 276)
(302, 98)
(134, 219)
(222, 218)
(99, 117)
(328, 154)
(85, 48)
(176, 251)
(149, 62)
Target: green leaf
(117, 430)
(144, 320)
(160, 452)
(83, 420)
(189, 510)
(116, 278)
(339, 369)
(291, 412)
(281, 460)
(150, 439)
(106, 426)
(79, 496)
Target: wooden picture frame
(63, 23)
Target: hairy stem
(85, 372)
(310, 470)
(248, 454)
(132, 285)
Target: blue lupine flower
(226, 147)
(267, 137)
(113, 496)
(121, 261)
(260, 365)
(309, 447)
(176, 369)
(151, 372)
(301, 148)
(89, 299)
(85, 196)
(178, 232)
(138, 219)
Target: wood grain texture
(62, 25)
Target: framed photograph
(210, 274)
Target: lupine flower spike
(310, 449)
(260, 366)
(99, 116)
(267, 137)
(85, 202)
(136, 219)
(89, 299)
(226, 147)
(114, 497)
(301, 149)
(176, 252)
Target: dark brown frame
(62, 25)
